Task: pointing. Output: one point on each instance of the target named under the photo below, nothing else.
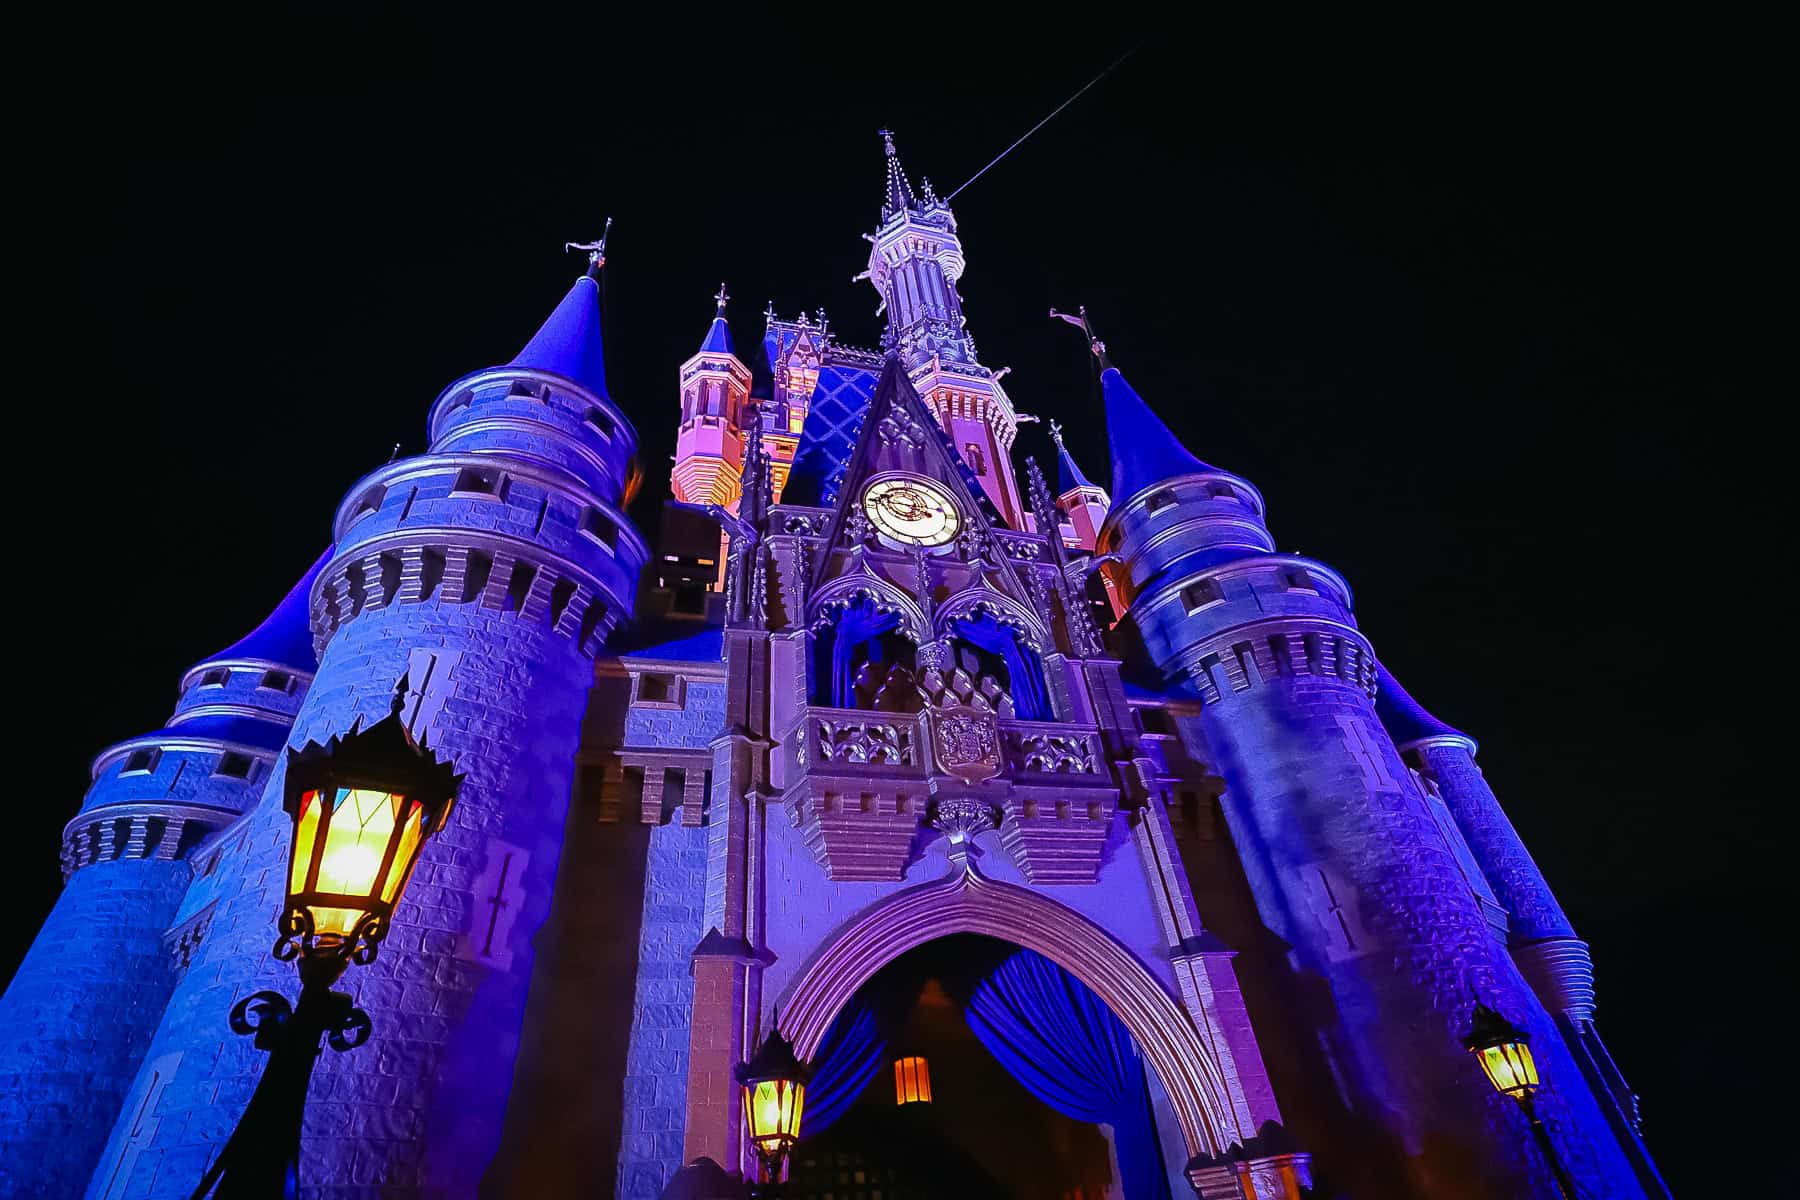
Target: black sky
(1446, 298)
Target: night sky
(1450, 319)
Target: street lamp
(774, 1083)
(361, 807)
(1504, 1052)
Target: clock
(911, 510)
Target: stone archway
(967, 902)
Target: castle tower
(80, 1012)
(486, 572)
(709, 444)
(915, 259)
(1083, 504)
(1542, 940)
(1387, 943)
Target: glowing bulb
(349, 870)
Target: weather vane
(721, 295)
(596, 250)
(1087, 328)
(1056, 435)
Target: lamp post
(1504, 1052)
(361, 807)
(774, 1084)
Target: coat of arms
(966, 742)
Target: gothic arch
(1004, 609)
(967, 902)
(831, 600)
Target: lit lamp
(774, 1083)
(912, 1080)
(362, 807)
(1504, 1052)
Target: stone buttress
(485, 573)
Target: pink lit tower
(915, 260)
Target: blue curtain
(1067, 1048)
(859, 623)
(1025, 679)
(852, 1052)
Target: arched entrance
(940, 1114)
(967, 902)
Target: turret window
(1159, 501)
(217, 677)
(597, 525)
(370, 501)
(480, 481)
(1221, 491)
(277, 681)
(141, 762)
(233, 765)
(1202, 594)
(1298, 579)
(602, 423)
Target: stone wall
(425, 1098)
(77, 1019)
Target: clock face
(912, 511)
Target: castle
(878, 689)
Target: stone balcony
(862, 787)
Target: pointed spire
(899, 196)
(568, 344)
(1068, 472)
(718, 334)
(1144, 452)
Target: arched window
(862, 660)
(1000, 645)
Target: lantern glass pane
(765, 1109)
(356, 841)
(1510, 1068)
(412, 832)
(339, 921)
(306, 833)
(796, 1100)
(912, 1080)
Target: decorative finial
(1056, 436)
(396, 453)
(1087, 328)
(769, 314)
(721, 296)
(596, 250)
(823, 324)
(887, 136)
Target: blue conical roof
(1404, 718)
(1068, 471)
(569, 343)
(285, 636)
(718, 338)
(1144, 452)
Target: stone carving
(897, 427)
(966, 742)
(1052, 753)
(962, 817)
(868, 742)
